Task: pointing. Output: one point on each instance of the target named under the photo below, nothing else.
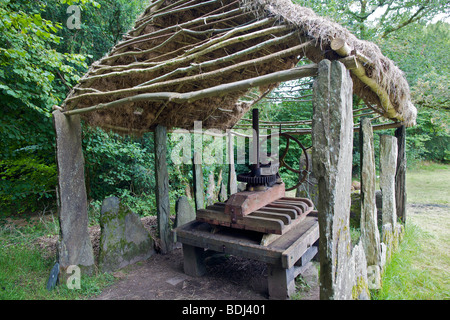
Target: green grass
(24, 272)
(429, 183)
(408, 276)
(25, 268)
(420, 269)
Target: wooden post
(400, 176)
(162, 189)
(280, 281)
(332, 138)
(74, 247)
(194, 262)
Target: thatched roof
(169, 68)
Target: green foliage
(402, 279)
(103, 23)
(28, 90)
(430, 138)
(26, 184)
(422, 52)
(375, 19)
(117, 165)
(41, 59)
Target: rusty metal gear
(268, 181)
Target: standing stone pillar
(232, 178)
(400, 176)
(370, 235)
(332, 139)
(388, 167)
(162, 189)
(74, 247)
(369, 226)
(309, 188)
(198, 181)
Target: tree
(370, 19)
(40, 63)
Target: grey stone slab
(388, 168)
(123, 240)
(162, 189)
(369, 226)
(74, 247)
(184, 211)
(332, 137)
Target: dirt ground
(161, 277)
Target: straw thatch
(192, 60)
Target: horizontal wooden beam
(220, 90)
(377, 127)
(343, 49)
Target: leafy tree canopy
(370, 19)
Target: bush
(26, 184)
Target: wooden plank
(304, 200)
(287, 249)
(215, 215)
(303, 206)
(294, 232)
(307, 256)
(285, 206)
(246, 202)
(266, 214)
(280, 282)
(300, 246)
(192, 234)
(265, 225)
(306, 204)
(292, 213)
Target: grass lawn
(25, 268)
(429, 184)
(421, 268)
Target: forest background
(42, 57)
